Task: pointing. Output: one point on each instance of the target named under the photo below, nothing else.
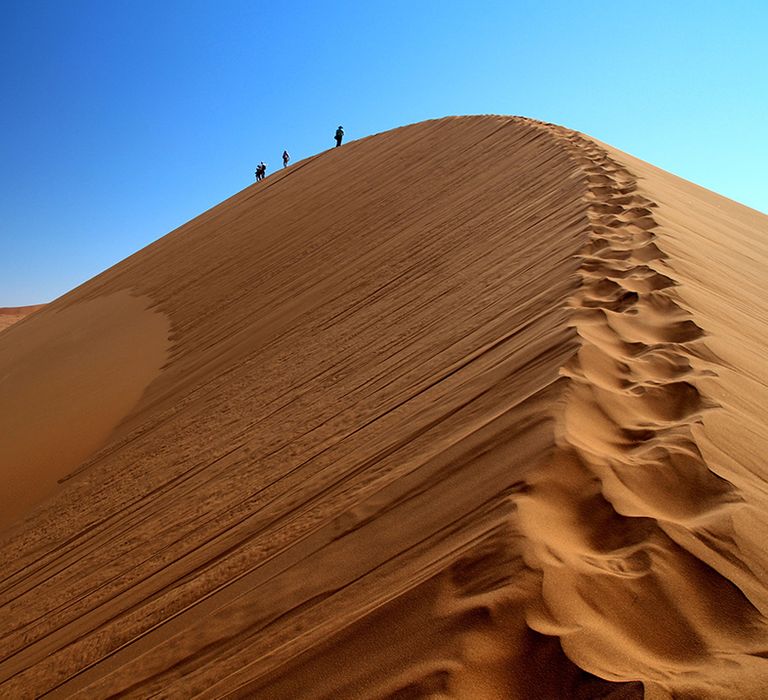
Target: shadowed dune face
(446, 413)
(66, 382)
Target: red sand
(474, 408)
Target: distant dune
(474, 408)
(9, 315)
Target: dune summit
(474, 408)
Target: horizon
(127, 122)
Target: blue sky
(123, 119)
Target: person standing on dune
(339, 136)
(286, 158)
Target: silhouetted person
(261, 171)
(286, 158)
(339, 136)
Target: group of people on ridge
(261, 168)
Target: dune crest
(631, 459)
(482, 426)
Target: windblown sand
(474, 408)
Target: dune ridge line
(629, 476)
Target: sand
(10, 314)
(66, 385)
(474, 408)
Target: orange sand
(10, 314)
(66, 384)
(474, 408)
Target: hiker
(286, 158)
(339, 136)
(261, 171)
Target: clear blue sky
(123, 119)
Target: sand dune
(10, 314)
(66, 385)
(474, 408)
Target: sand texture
(475, 408)
(10, 314)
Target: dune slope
(471, 408)
(11, 314)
